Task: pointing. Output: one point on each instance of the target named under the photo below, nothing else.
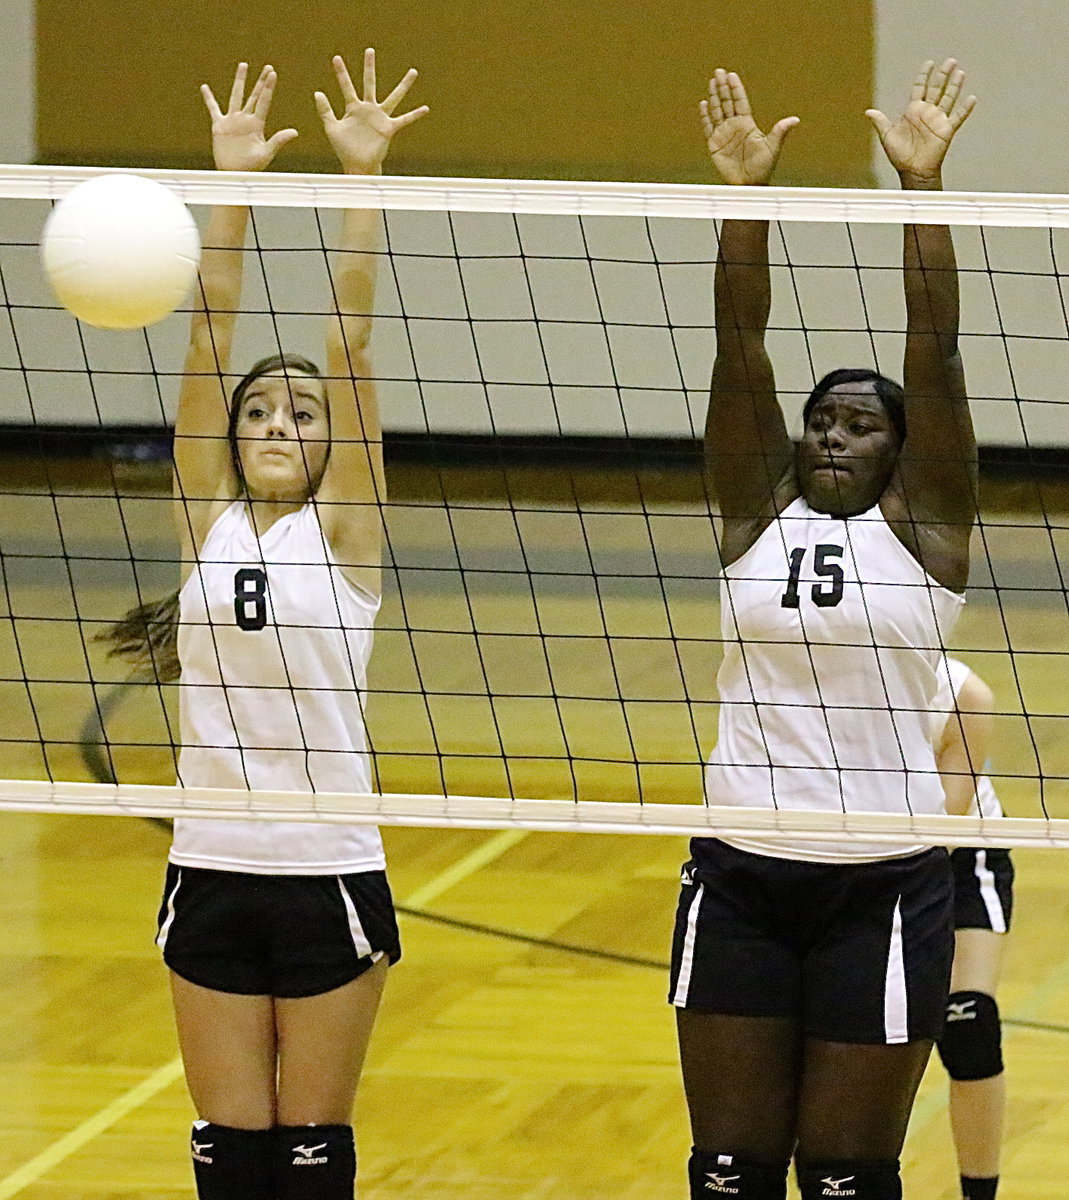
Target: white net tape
(585, 199)
(560, 816)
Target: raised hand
(238, 141)
(361, 135)
(739, 150)
(917, 142)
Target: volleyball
(121, 251)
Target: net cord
(569, 198)
(562, 816)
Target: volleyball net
(547, 648)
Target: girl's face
(848, 451)
(283, 436)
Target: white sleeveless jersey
(951, 678)
(832, 636)
(274, 643)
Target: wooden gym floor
(525, 1046)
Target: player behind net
(277, 935)
(810, 980)
(971, 1043)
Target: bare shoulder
(740, 533)
(941, 547)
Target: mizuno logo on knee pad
(836, 1187)
(964, 1010)
(305, 1156)
(721, 1183)
(198, 1151)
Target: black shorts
(275, 935)
(983, 889)
(858, 952)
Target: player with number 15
(810, 980)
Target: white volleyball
(121, 251)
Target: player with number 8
(810, 980)
(277, 934)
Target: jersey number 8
(250, 598)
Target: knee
(232, 1164)
(856, 1180)
(971, 1044)
(718, 1176)
(314, 1160)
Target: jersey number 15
(825, 594)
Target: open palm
(361, 135)
(741, 153)
(917, 142)
(238, 142)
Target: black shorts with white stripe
(275, 935)
(857, 952)
(983, 889)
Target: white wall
(18, 142)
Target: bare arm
(204, 472)
(353, 487)
(748, 451)
(938, 462)
(965, 744)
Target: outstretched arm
(938, 463)
(353, 485)
(748, 450)
(204, 471)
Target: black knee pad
(232, 1164)
(878, 1180)
(314, 1162)
(971, 1045)
(725, 1177)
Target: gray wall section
(547, 324)
(18, 143)
(1014, 56)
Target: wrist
(929, 181)
(362, 168)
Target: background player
(810, 981)
(971, 1044)
(278, 935)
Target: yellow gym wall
(540, 88)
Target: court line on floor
(483, 854)
(101, 1121)
(97, 1124)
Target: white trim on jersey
(989, 893)
(165, 928)
(895, 999)
(356, 929)
(686, 962)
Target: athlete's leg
(741, 1078)
(971, 1046)
(228, 1049)
(322, 1043)
(853, 1111)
